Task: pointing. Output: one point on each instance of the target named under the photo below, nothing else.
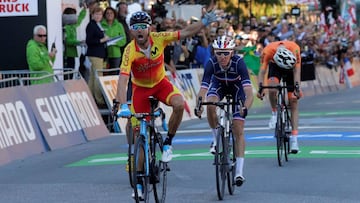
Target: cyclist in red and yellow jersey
(283, 60)
(143, 58)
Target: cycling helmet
(140, 17)
(223, 42)
(284, 58)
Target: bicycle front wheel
(279, 130)
(159, 174)
(130, 164)
(139, 173)
(219, 164)
(232, 166)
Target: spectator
(95, 40)
(113, 29)
(71, 41)
(38, 57)
(203, 50)
(121, 17)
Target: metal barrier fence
(10, 81)
(11, 78)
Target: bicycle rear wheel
(219, 164)
(139, 174)
(279, 130)
(232, 166)
(159, 174)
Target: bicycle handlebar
(220, 104)
(278, 87)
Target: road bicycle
(224, 158)
(147, 171)
(283, 122)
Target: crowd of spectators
(319, 44)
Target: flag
(251, 60)
(348, 67)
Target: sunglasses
(42, 35)
(139, 26)
(225, 53)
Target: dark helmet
(140, 17)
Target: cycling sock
(239, 165)
(168, 139)
(139, 179)
(273, 111)
(213, 130)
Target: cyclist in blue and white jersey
(226, 73)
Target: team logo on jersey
(154, 51)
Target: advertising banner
(56, 116)
(108, 87)
(20, 135)
(19, 8)
(86, 109)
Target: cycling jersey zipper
(226, 79)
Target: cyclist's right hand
(124, 111)
(260, 94)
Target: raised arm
(194, 28)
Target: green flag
(251, 60)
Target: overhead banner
(18, 8)
(86, 109)
(55, 114)
(20, 135)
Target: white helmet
(284, 58)
(223, 42)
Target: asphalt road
(326, 169)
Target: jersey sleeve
(208, 72)
(127, 59)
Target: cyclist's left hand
(244, 112)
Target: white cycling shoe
(272, 122)
(212, 148)
(294, 147)
(167, 153)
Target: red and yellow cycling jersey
(270, 50)
(147, 71)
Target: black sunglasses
(225, 53)
(42, 35)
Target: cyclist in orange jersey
(283, 61)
